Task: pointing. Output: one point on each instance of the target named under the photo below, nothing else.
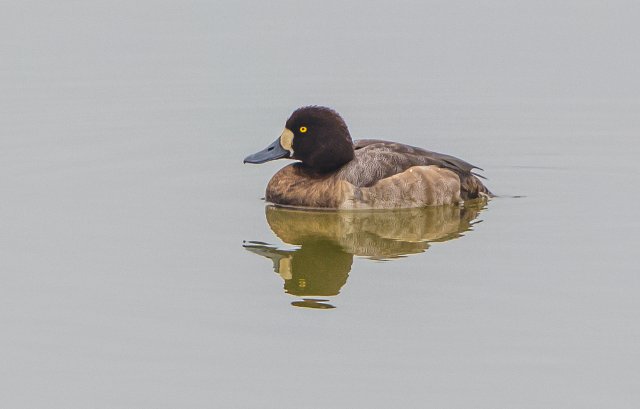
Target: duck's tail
(471, 187)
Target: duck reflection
(328, 240)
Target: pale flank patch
(418, 186)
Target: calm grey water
(141, 269)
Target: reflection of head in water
(329, 240)
(318, 267)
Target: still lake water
(141, 269)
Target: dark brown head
(315, 135)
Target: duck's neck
(331, 158)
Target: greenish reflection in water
(328, 240)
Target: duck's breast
(294, 185)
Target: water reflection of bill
(328, 240)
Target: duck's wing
(377, 159)
(414, 156)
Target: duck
(334, 172)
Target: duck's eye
(303, 129)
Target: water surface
(141, 269)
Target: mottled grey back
(377, 159)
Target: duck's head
(317, 136)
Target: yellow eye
(303, 129)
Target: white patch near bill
(286, 140)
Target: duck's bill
(271, 152)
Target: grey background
(123, 281)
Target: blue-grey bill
(271, 152)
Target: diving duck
(335, 172)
